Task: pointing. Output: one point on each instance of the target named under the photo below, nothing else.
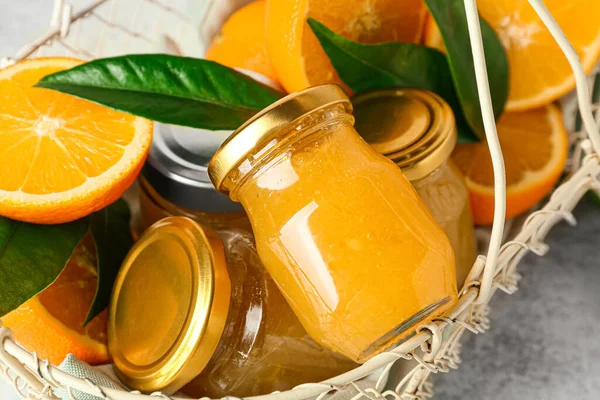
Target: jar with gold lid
(196, 311)
(174, 180)
(416, 130)
(344, 235)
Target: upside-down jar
(416, 130)
(352, 247)
(195, 311)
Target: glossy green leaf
(374, 66)
(32, 256)
(111, 232)
(170, 89)
(451, 19)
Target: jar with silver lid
(175, 182)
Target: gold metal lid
(169, 306)
(265, 125)
(412, 127)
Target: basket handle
(583, 97)
(583, 91)
(489, 123)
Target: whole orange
(242, 41)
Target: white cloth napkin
(101, 376)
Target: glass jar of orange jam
(175, 182)
(416, 130)
(344, 235)
(197, 312)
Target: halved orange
(296, 54)
(432, 37)
(539, 72)
(51, 323)
(535, 148)
(242, 41)
(62, 157)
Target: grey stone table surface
(544, 342)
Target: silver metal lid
(177, 168)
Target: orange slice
(242, 41)
(296, 53)
(535, 147)
(51, 323)
(432, 37)
(62, 157)
(539, 72)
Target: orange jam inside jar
(195, 311)
(175, 182)
(344, 235)
(416, 130)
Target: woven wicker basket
(110, 27)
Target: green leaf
(32, 256)
(374, 66)
(365, 67)
(451, 19)
(175, 90)
(111, 232)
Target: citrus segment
(242, 41)
(432, 37)
(296, 54)
(539, 71)
(63, 157)
(51, 323)
(535, 147)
